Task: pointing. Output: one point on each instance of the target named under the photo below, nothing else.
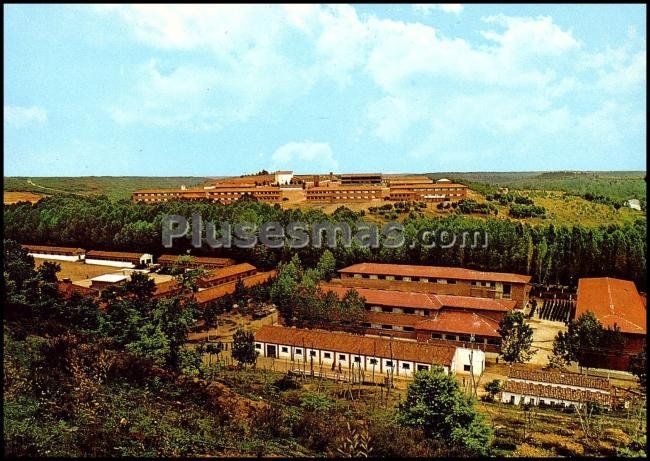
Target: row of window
(343, 358)
(465, 338)
(404, 278)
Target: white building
(633, 204)
(118, 259)
(57, 253)
(333, 350)
(283, 178)
(102, 281)
(555, 388)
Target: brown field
(78, 270)
(15, 197)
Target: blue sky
(232, 89)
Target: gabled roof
(432, 272)
(210, 294)
(388, 318)
(556, 392)
(560, 377)
(53, 249)
(97, 254)
(199, 260)
(412, 299)
(460, 322)
(236, 269)
(356, 344)
(67, 289)
(389, 297)
(615, 302)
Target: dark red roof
(67, 289)
(356, 344)
(615, 302)
(53, 249)
(560, 377)
(461, 323)
(556, 392)
(97, 254)
(220, 291)
(198, 260)
(432, 272)
(412, 299)
(236, 269)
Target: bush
(527, 211)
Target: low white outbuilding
(328, 349)
(56, 253)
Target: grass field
(117, 187)
(616, 185)
(15, 197)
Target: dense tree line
(551, 254)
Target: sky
(211, 90)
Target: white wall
(566, 386)
(102, 262)
(57, 257)
(463, 356)
(519, 399)
(319, 359)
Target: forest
(551, 254)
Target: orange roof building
(618, 306)
(456, 281)
(194, 261)
(427, 317)
(329, 350)
(226, 274)
(615, 302)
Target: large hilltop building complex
(353, 187)
(439, 280)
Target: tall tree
(516, 338)
(435, 403)
(582, 337)
(243, 347)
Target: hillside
(116, 187)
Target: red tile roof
(198, 260)
(555, 392)
(557, 377)
(614, 302)
(356, 344)
(96, 254)
(166, 288)
(210, 294)
(67, 289)
(460, 322)
(389, 297)
(236, 269)
(471, 302)
(53, 249)
(458, 273)
(413, 299)
(388, 318)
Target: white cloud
(18, 116)
(426, 8)
(430, 89)
(303, 156)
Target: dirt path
(32, 183)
